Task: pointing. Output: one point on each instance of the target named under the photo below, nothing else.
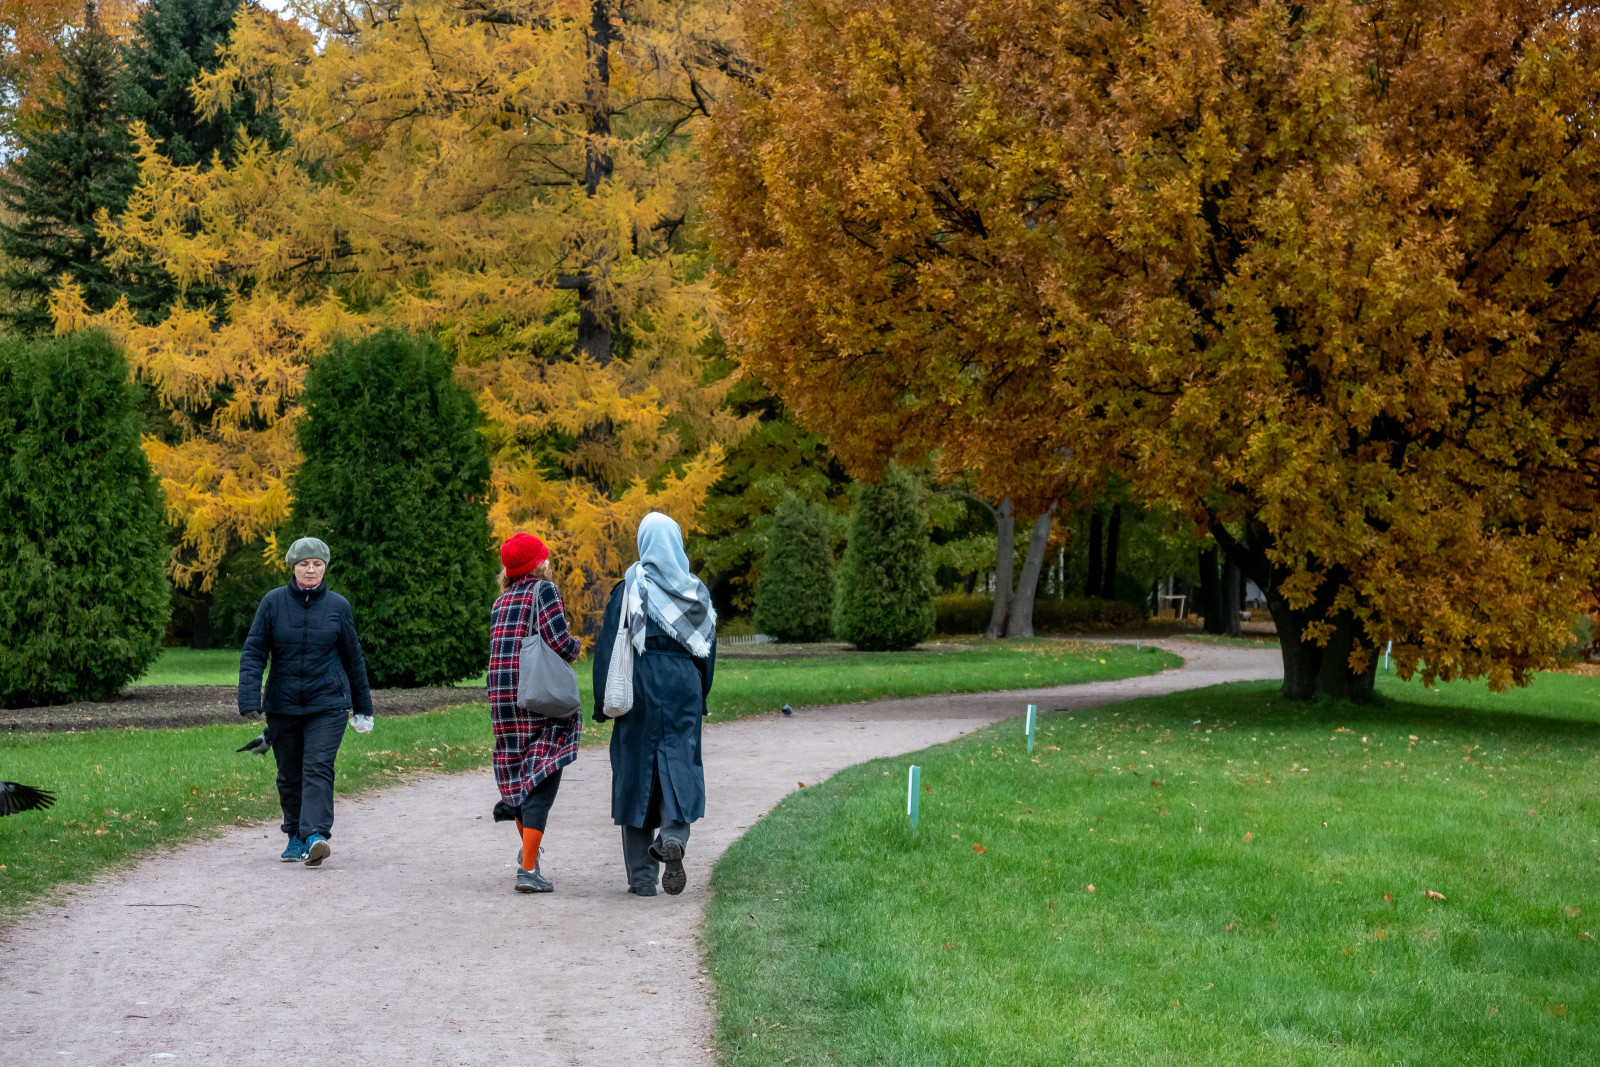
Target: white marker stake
(913, 794)
(1033, 714)
(1386, 652)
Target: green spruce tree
(85, 596)
(794, 595)
(76, 161)
(395, 480)
(885, 599)
(174, 42)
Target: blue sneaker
(317, 850)
(295, 853)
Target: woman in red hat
(529, 749)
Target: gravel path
(409, 947)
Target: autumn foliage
(514, 178)
(1322, 277)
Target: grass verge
(122, 792)
(1258, 893)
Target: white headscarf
(662, 586)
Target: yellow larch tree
(517, 178)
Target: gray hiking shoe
(532, 881)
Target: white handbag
(619, 675)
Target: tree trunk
(200, 633)
(1232, 603)
(1309, 669)
(594, 326)
(1005, 561)
(1108, 586)
(1091, 584)
(1020, 623)
(1210, 592)
(971, 583)
(1335, 678)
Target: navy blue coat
(662, 732)
(310, 636)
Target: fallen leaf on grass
(1388, 898)
(802, 785)
(1052, 907)
(1089, 888)
(1155, 784)
(949, 946)
(1248, 836)
(1556, 1009)
(1585, 936)
(978, 848)
(1572, 912)
(1431, 895)
(1382, 934)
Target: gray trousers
(639, 851)
(640, 844)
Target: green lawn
(125, 791)
(1258, 891)
(773, 680)
(1560, 696)
(188, 666)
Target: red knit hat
(522, 553)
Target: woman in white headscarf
(658, 787)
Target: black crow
(15, 797)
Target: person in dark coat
(658, 786)
(318, 677)
(529, 749)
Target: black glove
(249, 713)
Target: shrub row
(958, 613)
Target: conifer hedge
(794, 594)
(885, 599)
(85, 598)
(395, 479)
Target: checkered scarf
(662, 586)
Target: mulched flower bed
(200, 705)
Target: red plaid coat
(528, 748)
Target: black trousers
(306, 747)
(536, 805)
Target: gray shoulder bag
(546, 683)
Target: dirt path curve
(409, 947)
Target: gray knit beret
(307, 548)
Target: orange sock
(530, 846)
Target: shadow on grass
(1258, 704)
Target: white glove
(362, 723)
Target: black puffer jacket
(310, 635)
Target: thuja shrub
(85, 597)
(885, 597)
(395, 479)
(794, 594)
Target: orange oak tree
(1321, 276)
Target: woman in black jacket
(658, 786)
(318, 677)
